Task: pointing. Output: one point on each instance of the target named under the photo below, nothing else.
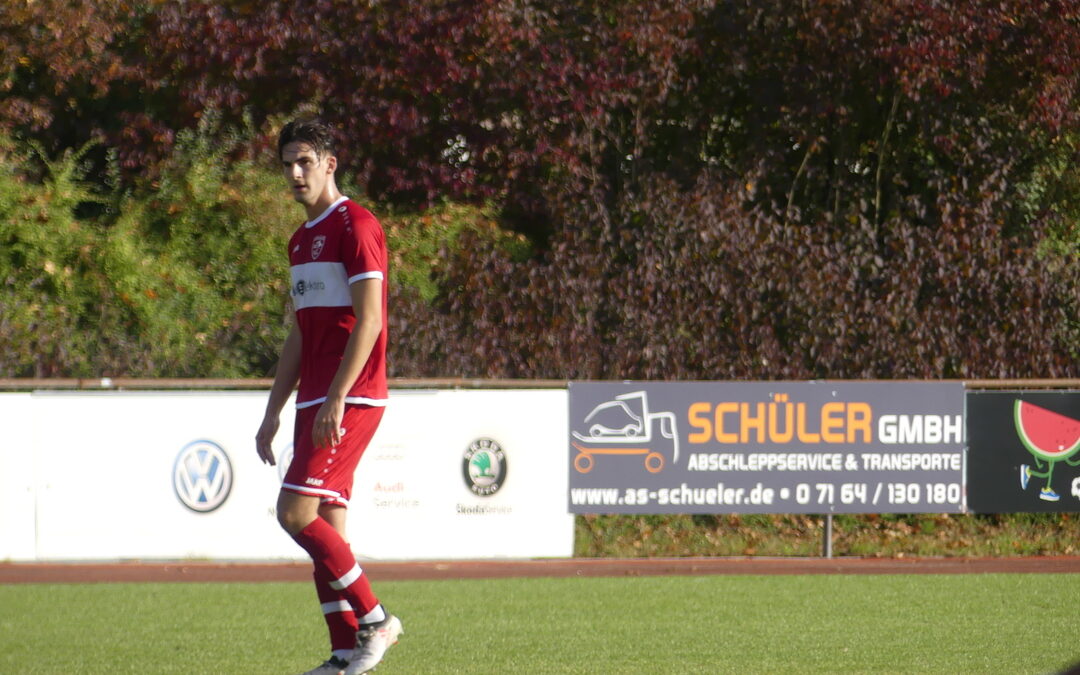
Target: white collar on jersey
(312, 223)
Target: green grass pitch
(993, 623)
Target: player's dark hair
(313, 132)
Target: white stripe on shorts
(315, 492)
(325, 496)
(356, 400)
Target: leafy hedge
(870, 535)
(705, 189)
(188, 279)
(176, 283)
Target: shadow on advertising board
(1023, 451)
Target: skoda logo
(202, 476)
(484, 467)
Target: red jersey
(344, 245)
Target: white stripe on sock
(338, 606)
(347, 580)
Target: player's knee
(294, 514)
(287, 520)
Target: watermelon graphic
(1045, 433)
(1050, 437)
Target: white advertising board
(17, 472)
(174, 475)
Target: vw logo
(284, 459)
(202, 476)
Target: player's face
(306, 172)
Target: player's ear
(331, 164)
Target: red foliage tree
(839, 189)
(60, 62)
(842, 188)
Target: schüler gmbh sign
(765, 447)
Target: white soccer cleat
(372, 643)
(331, 666)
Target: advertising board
(18, 464)
(1023, 451)
(174, 475)
(766, 447)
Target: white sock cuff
(374, 616)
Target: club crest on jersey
(317, 246)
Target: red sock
(339, 615)
(333, 557)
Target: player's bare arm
(367, 305)
(285, 379)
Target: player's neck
(330, 195)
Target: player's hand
(326, 432)
(265, 437)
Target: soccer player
(336, 351)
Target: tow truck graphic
(624, 426)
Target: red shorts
(327, 473)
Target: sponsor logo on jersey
(302, 286)
(317, 245)
(202, 476)
(484, 467)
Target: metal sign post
(827, 543)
